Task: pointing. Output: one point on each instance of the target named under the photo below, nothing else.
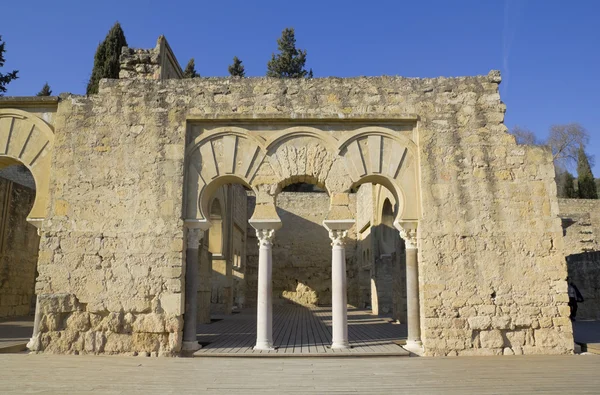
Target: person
(574, 298)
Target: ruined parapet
(158, 63)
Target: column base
(414, 346)
(264, 346)
(340, 346)
(190, 346)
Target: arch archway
(27, 139)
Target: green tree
(106, 60)
(5, 78)
(585, 179)
(46, 91)
(289, 62)
(237, 69)
(190, 70)
(565, 183)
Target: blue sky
(547, 50)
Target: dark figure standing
(574, 298)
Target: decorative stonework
(27, 139)
(265, 237)
(409, 236)
(337, 237)
(194, 235)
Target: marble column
(190, 322)
(338, 230)
(409, 235)
(264, 305)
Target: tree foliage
(236, 69)
(565, 141)
(586, 184)
(45, 91)
(8, 77)
(190, 70)
(289, 62)
(565, 184)
(106, 60)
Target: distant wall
(19, 244)
(581, 229)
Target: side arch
(382, 156)
(27, 139)
(227, 155)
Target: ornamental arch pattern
(335, 160)
(27, 139)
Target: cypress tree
(5, 78)
(190, 70)
(106, 60)
(585, 179)
(237, 69)
(46, 91)
(289, 63)
(568, 186)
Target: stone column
(190, 323)
(409, 235)
(338, 230)
(264, 305)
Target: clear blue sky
(547, 50)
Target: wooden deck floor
(301, 331)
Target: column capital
(337, 237)
(265, 236)
(408, 233)
(194, 235)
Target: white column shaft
(339, 302)
(264, 308)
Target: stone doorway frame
(226, 152)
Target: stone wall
(302, 250)
(581, 224)
(18, 250)
(581, 227)
(492, 270)
(157, 63)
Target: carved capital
(265, 237)
(194, 235)
(337, 237)
(409, 235)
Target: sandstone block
(491, 339)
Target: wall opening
(19, 245)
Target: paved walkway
(63, 374)
(301, 331)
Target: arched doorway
(26, 144)
(19, 241)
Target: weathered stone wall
(581, 224)
(302, 250)
(492, 268)
(492, 271)
(18, 250)
(157, 63)
(581, 229)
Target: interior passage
(301, 330)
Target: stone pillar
(190, 323)
(34, 342)
(264, 305)
(338, 230)
(409, 235)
